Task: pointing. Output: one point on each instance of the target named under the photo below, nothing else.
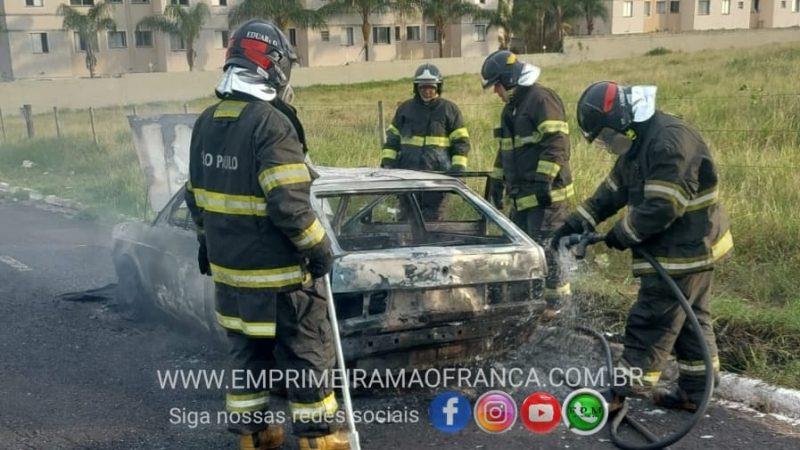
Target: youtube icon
(540, 412)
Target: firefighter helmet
(604, 105)
(428, 74)
(501, 67)
(260, 46)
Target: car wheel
(131, 294)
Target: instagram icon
(495, 412)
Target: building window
(221, 38)
(176, 43)
(325, 35)
(674, 7)
(143, 2)
(36, 3)
(741, 5)
(796, 6)
(293, 36)
(412, 33)
(39, 43)
(396, 34)
(349, 36)
(221, 3)
(755, 7)
(381, 35)
(627, 9)
(117, 39)
(479, 32)
(115, 1)
(783, 4)
(143, 38)
(661, 7)
(431, 35)
(81, 2)
(647, 9)
(179, 2)
(726, 6)
(703, 7)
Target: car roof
(353, 177)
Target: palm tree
(180, 22)
(561, 12)
(97, 18)
(279, 11)
(364, 9)
(502, 19)
(591, 9)
(444, 12)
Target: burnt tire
(130, 294)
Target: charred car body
(411, 289)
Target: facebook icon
(450, 412)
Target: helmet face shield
(613, 141)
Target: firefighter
(427, 133)
(665, 175)
(532, 162)
(248, 193)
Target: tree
(180, 22)
(444, 12)
(97, 18)
(364, 9)
(502, 19)
(591, 9)
(279, 11)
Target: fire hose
(578, 243)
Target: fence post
(381, 134)
(2, 125)
(91, 120)
(133, 109)
(55, 117)
(27, 114)
(185, 108)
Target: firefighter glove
(320, 260)
(571, 226)
(387, 163)
(202, 257)
(613, 241)
(496, 192)
(542, 192)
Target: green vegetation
(743, 101)
(658, 51)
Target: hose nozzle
(577, 243)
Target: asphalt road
(84, 374)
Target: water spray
(578, 244)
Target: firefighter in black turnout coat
(248, 193)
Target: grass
(734, 97)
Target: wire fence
(364, 123)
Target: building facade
(645, 16)
(34, 45)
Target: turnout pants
(540, 223)
(302, 341)
(657, 325)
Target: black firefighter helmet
(604, 104)
(501, 67)
(260, 46)
(428, 74)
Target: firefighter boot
(673, 398)
(333, 441)
(269, 439)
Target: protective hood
(529, 75)
(240, 80)
(643, 102)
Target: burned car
(411, 288)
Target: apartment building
(644, 16)
(34, 45)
